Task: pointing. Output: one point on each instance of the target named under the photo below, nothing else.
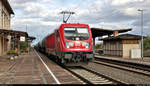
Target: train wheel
(57, 59)
(62, 60)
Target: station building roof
(8, 7)
(97, 32)
(123, 37)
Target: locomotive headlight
(69, 44)
(86, 44)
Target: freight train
(71, 44)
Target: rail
(127, 66)
(91, 77)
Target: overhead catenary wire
(74, 9)
(66, 12)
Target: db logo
(77, 43)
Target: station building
(121, 45)
(5, 19)
(10, 39)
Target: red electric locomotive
(70, 43)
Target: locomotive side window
(76, 33)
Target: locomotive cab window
(72, 33)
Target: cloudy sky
(41, 17)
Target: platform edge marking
(57, 81)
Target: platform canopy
(13, 32)
(17, 34)
(123, 37)
(31, 38)
(97, 32)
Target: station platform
(143, 61)
(6, 63)
(34, 68)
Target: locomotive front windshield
(72, 33)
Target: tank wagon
(71, 44)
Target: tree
(146, 43)
(23, 45)
(98, 46)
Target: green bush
(12, 51)
(23, 45)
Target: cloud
(125, 2)
(130, 11)
(44, 15)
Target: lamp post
(141, 32)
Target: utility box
(135, 53)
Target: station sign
(9, 36)
(22, 38)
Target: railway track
(130, 67)
(91, 77)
